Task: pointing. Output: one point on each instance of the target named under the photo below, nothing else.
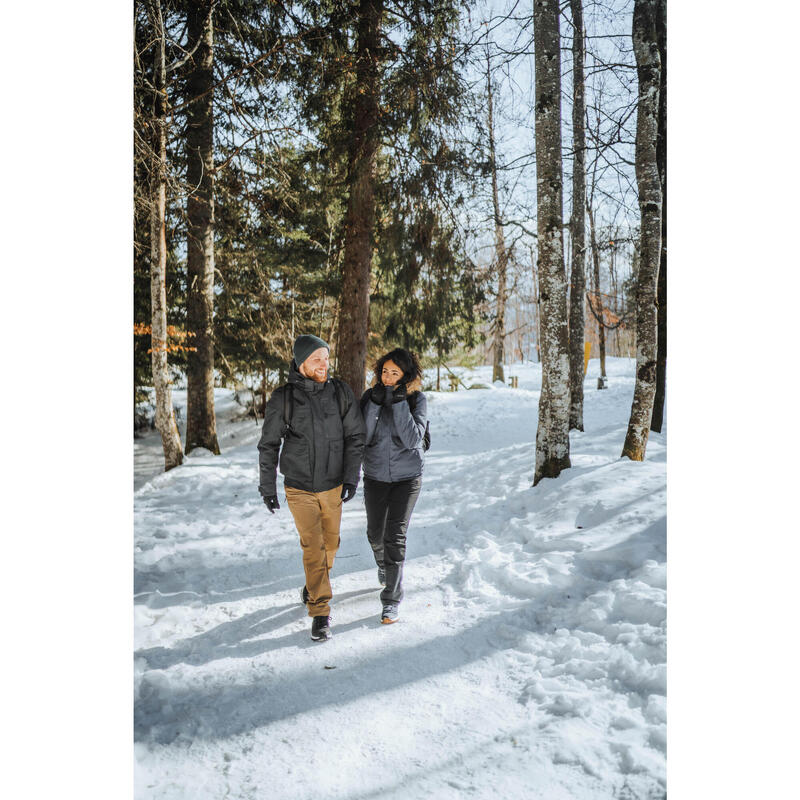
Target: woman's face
(391, 374)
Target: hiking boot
(304, 595)
(390, 614)
(321, 629)
(381, 576)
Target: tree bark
(552, 433)
(536, 315)
(648, 65)
(501, 254)
(165, 418)
(201, 426)
(360, 215)
(577, 224)
(661, 155)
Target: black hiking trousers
(389, 507)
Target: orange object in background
(587, 349)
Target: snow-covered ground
(530, 659)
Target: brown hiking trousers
(317, 516)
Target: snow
(530, 656)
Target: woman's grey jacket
(394, 436)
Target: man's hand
(377, 394)
(271, 503)
(348, 492)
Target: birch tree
(201, 426)
(648, 64)
(552, 433)
(501, 253)
(596, 303)
(165, 419)
(577, 225)
(661, 156)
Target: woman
(395, 414)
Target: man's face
(316, 365)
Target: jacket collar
(296, 378)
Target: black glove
(348, 492)
(271, 503)
(377, 394)
(400, 393)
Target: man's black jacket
(321, 449)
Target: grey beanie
(305, 345)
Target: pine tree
(362, 109)
(201, 428)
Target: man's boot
(321, 629)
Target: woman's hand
(377, 394)
(400, 393)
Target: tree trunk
(661, 155)
(536, 316)
(577, 225)
(648, 64)
(501, 255)
(165, 418)
(597, 301)
(552, 433)
(359, 222)
(201, 426)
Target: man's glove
(400, 393)
(377, 394)
(348, 492)
(271, 503)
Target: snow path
(530, 659)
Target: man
(323, 442)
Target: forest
(480, 183)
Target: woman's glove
(400, 393)
(377, 394)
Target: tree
(201, 427)
(648, 63)
(552, 433)
(362, 108)
(501, 254)
(165, 419)
(596, 303)
(661, 155)
(577, 226)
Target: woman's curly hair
(405, 359)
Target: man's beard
(313, 376)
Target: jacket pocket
(294, 461)
(335, 459)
